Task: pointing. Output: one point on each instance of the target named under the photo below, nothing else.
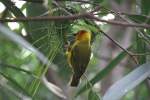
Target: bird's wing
(80, 58)
(75, 57)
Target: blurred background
(32, 53)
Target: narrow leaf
(18, 69)
(127, 83)
(56, 90)
(23, 43)
(15, 83)
(11, 7)
(145, 7)
(93, 96)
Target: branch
(45, 18)
(73, 17)
(116, 43)
(87, 15)
(33, 1)
(125, 24)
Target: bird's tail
(74, 81)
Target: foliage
(32, 57)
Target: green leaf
(127, 83)
(119, 1)
(17, 68)
(93, 96)
(17, 85)
(141, 48)
(33, 1)
(139, 18)
(103, 72)
(11, 7)
(23, 43)
(98, 1)
(145, 9)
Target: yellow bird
(78, 55)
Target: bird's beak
(74, 34)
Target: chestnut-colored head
(83, 35)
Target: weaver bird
(78, 55)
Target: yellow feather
(78, 55)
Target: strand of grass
(40, 71)
(43, 73)
(36, 81)
(39, 39)
(15, 83)
(46, 68)
(42, 46)
(42, 28)
(91, 86)
(19, 40)
(23, 43)
(8, 88)
(18, 69)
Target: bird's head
(83, 35)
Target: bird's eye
(74, 34)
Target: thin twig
(120, 23)
(141, 54)
(73, 17)
(33, 1)
(45, 18)
(60, 7)
(115, 42)
(87, 15)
